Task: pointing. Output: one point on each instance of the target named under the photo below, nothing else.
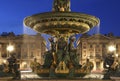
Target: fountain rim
(89, 20)
(63, 14)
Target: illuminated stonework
(61, 22)
(96, 48)
(62, 60)
(26, 48)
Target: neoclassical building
(26, 48)
(95, 47)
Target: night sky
(13, 12)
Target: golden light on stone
(5, 61)
(116, 55)
(62, 68)
(61, 22)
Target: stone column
(94, 65)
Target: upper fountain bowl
(61, 22)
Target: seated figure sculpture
(35, 65)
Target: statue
(73, 52)
(88, 66)
(50, 56)
(61, 49)
(53, 44)
(35, 65)
(16, 68)
(71, 44)
(13, 67)
(111, 66)
(61, 5)
(11, 60)
(62, 58)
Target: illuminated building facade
(95, 47)
(26, 48)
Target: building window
(103, 46)
(98, 56)
(32, 45)
(24, 55)
(97, 46)
(18, 45)
(25, 45)
(91, 56)
(84, 47)
(116, 45)
(91, 46)
(4, 55)
(18, 55)
(98, 65)
(84, 43)
(84, 51)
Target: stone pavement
(49, 79)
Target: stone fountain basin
(61, 22)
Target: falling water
(29, 31)
(98, 28)
(95, 30)
(46, 36)
(26, 31)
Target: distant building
(26, 48)
(95, 47)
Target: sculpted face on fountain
(61, 5)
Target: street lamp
(4, 61)
(110, 62)
(10, 48)
(111, 48)
(116, 55)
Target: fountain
(62, 24)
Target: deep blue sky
(12, 13)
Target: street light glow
(5, 61)
(116, 55)
(111, 48)
(10, 48)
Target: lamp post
(109, 61)
(111, 48)
(111, 57)
(10, 48)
